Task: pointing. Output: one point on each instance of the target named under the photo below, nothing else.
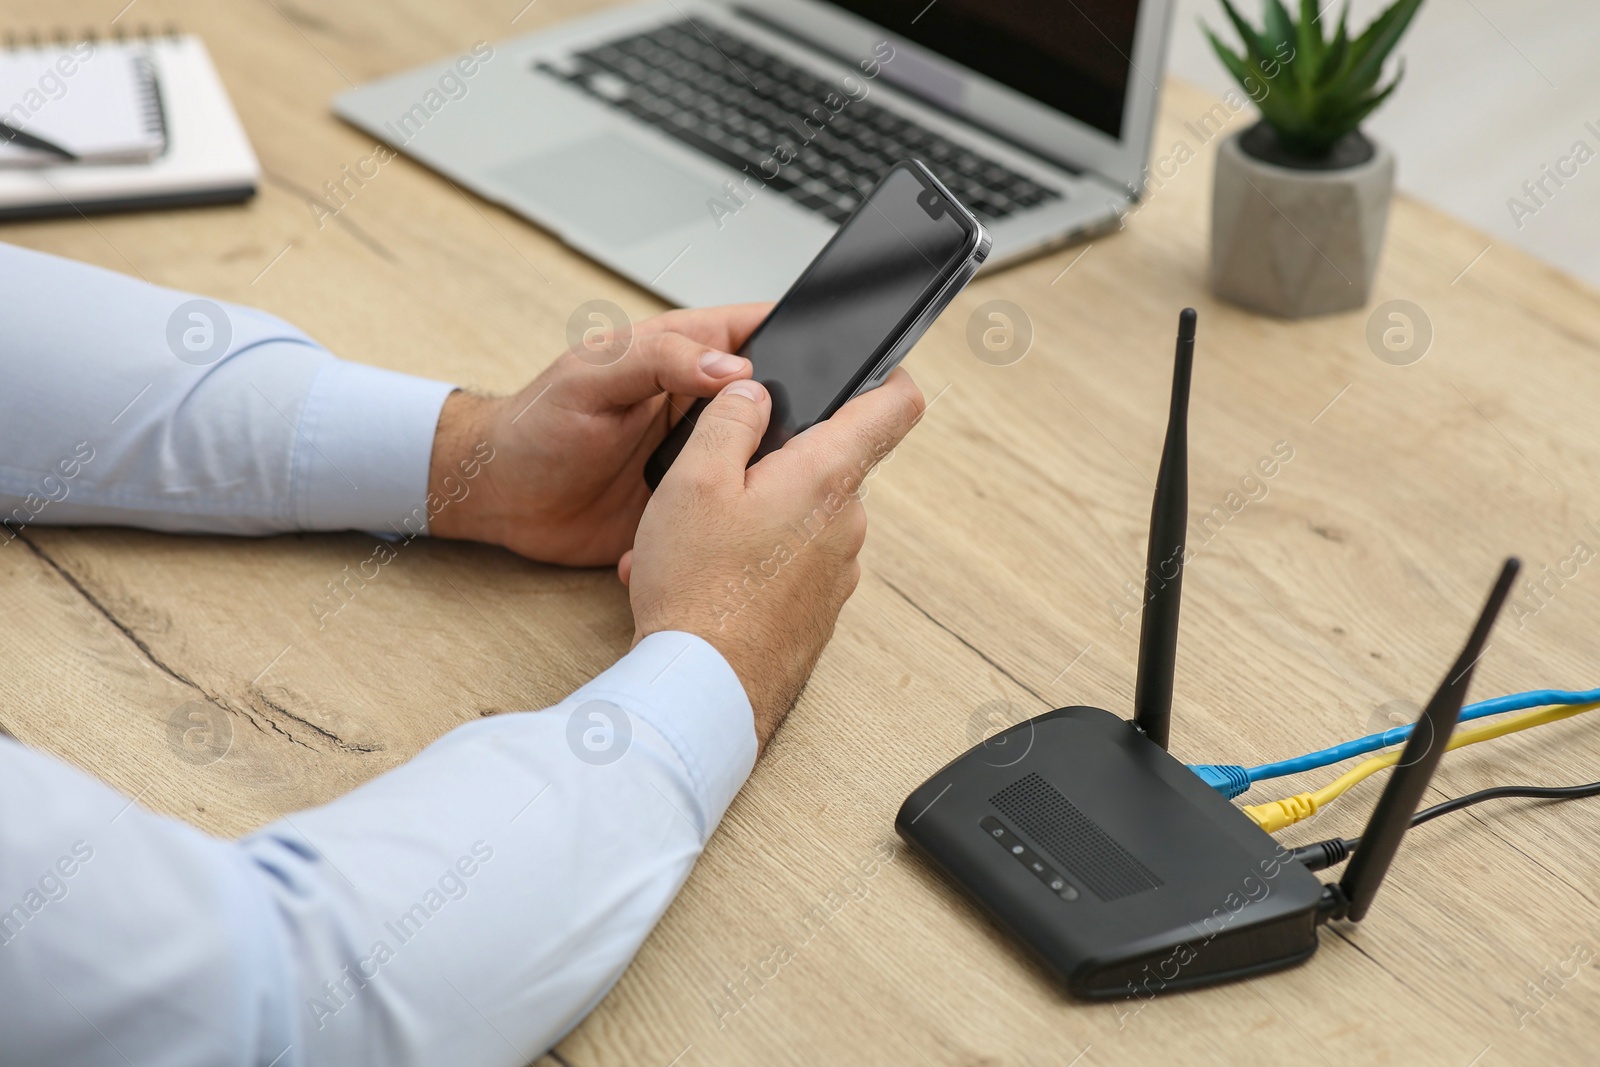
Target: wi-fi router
(1112, 861)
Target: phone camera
(931, 204)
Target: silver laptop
(707, 150)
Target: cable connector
(1275, 815)
(1323, 854)
(1228, 779)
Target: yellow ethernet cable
(1277, 814)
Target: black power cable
(1325, 854)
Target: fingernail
(747, 388)
(721, 364)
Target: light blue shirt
(469, 907)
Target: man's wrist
(460, 491)
(769, 703)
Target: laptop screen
(1071, 56)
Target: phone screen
(834, 326)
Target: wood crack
(968, 645)
(321, 731)
(271, 727)
(266, 706)
(1376, 962)
(293, 187)
(105, 613)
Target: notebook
(177, 139)
(100, 104)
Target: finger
(625, 566)
(725, 327)
(727, 434)
(865, 430)
(662, 363)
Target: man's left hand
(566, 484)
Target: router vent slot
(1073, 839)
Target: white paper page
(89, 98)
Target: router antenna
(1163, 574)
(1381, 839)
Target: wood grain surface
(1004, 534)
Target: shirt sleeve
(129, 404)
(468, 908)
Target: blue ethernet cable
(1232, 780)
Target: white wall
(1493, 90)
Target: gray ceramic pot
(1291, 241)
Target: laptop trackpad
(608, 188)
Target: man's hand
(760, 561)
(566, 484)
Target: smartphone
(873, 290)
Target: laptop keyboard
(748, 108)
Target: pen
(28, 140)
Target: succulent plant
(1313, 90)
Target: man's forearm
(129, 404)
(467, 908)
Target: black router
(1112, 861)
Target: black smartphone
(872, 291)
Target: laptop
(707, 150)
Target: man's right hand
(760, 561)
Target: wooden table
(1004, 533)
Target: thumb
(728, 432)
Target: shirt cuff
(363, 447)
(681, 686)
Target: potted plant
(1302, 197)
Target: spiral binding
(15, 40)
(155, 116)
